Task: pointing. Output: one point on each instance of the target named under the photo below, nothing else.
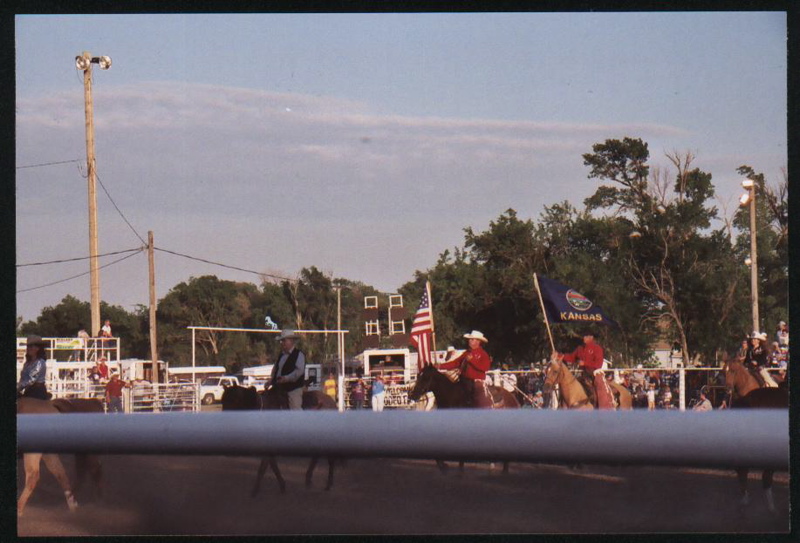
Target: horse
(451, 394)
(748, 395)
(84, 463)
(235, 397)
(573, 395)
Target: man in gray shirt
(288, 373)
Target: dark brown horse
(241, 398)
(451, 395)
(84, 463)
(744, 391)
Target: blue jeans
(115, 404)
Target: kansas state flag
(564, 304)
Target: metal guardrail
(718, 439)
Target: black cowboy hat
(33, 339)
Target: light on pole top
(744, 199)
(83, 62)
(747, 183)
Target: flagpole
(433, 328)
(544, 311)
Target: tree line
(650, 246)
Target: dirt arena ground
(200, 495)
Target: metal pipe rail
(717, 439)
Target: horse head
(552, 375)
(424, 382)
(235, 397)
(275, 398)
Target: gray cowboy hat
(288, 334)
(33, 339)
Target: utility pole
(750, 198)
(84, 62)
(153, 349)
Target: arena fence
(717, 439)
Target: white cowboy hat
(288, 334)
(476, 335)
(450, 348)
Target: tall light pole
(84, 63)
(750, 198)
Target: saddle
(589, 389)
(496, 395)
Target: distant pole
(544, 312)
(153, 349)
(754, 260)
(84, 62)
(340, 346)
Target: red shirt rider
(477, 360)
(589, 355)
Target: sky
(362, 144)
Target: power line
(118, 210)
(77, 258)
(49, 164)
(224, 265)
(81, 274)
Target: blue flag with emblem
(563, 304)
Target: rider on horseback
(590, 359)
(756, 357)
(32, 379)
(474, 364)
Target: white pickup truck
(211, 388)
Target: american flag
(422, 329)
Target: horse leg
(53, 463)
(273, 463)
(460, 468)
(741, 474)
(310, 470)
(262, 467)
(442, 466)
(505, 467)
(331, 462)
(766, 483)
(89, 463)
(31, 462)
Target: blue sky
(362, 144)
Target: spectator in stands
(782, 335)
(34, 370)
(94, 374)
(703, 403)
(329, 386)
(654, 379)
(741, 354)
(378, 393)
(538, 400)
(114, 393)
(83, 343)
(651, 397)
(357, 393)
(508, 380)
(102, 368)
(775, 355)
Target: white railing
(145, 397)
(720, 439)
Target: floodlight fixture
(104, 62)
(744, 199)
(747, 183)
(82, 63)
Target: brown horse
(573, 395)
(83, 463)
(241, 398)
(745, 393)
(451, 394)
